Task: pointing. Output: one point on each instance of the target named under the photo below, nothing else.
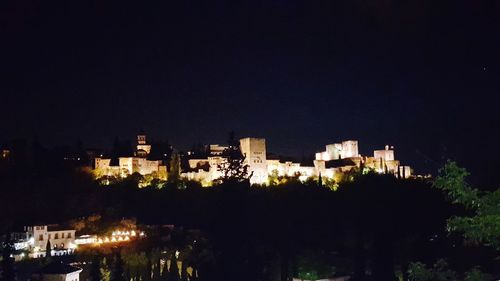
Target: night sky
(422, 75)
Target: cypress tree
(104, 271)
(118, 274)
(174, 168)
(155, 259)
(95, 274)
(48, 249)
(174, 269)
(184, 274)
(148, 271)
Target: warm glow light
(113, 239)
(133, 233)
(106, 239)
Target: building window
(62, 235)
(69, 234)
(40, 237)
(50, 236)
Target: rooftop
(58, 267)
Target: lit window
(40, 237)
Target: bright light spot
(177, 254)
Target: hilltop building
(337, 159)
(139, 163)
(254, 150)
(202, 164)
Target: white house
(62, 239)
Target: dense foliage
(483, 225)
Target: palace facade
(336, 160)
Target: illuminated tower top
(143, 149)
(141, 139)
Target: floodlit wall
(386, 154)
(333, 151)
(349, 149)
(143, 166)
(64, 238)
(254, 150)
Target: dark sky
(422, 75)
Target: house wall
(58, 239)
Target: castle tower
(254, 149)
(143, 149)
(141, 138)
(349, 149)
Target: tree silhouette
(174, 168)
(174, 268)
(117, 274)
(48, 250)
(95, 274)
(484, 225)
(104, 270)
(233, 168)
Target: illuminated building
(254, 150)
(139, 163)
(337, 159)
(203, 162)
(335, 151)
(62, 239)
